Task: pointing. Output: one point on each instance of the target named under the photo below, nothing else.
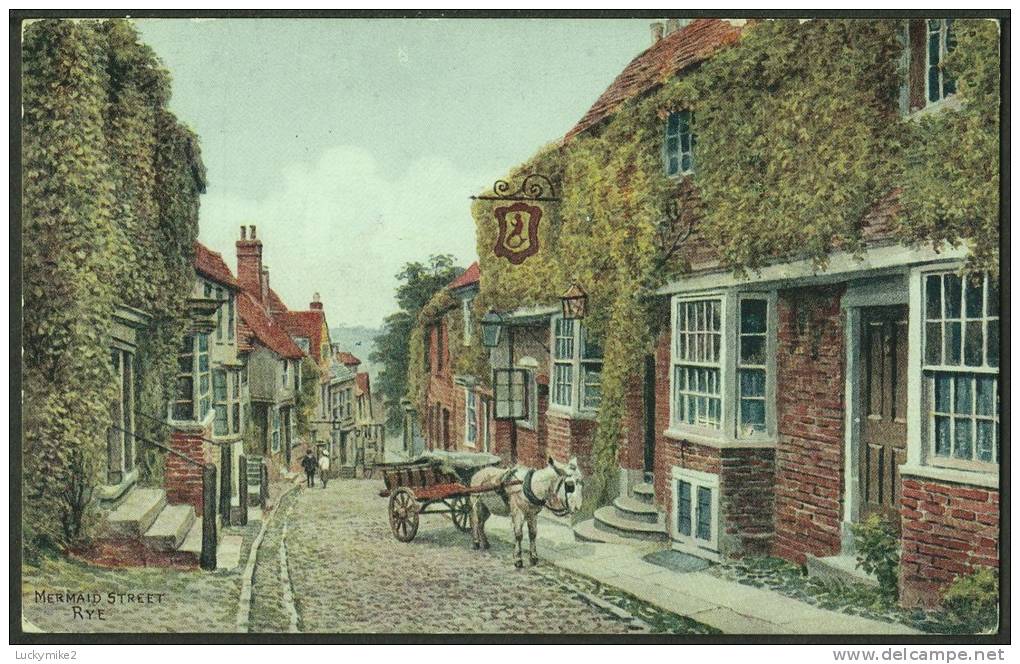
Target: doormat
(676, 561)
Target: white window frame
(692, 543)
(276, 432)
(922, 390)
(576, 364)
(943, 52)
(470, 417)
(284, 373)
(465, 308)
(486, 429)
(729, 364)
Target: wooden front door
(884, 404)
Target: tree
(420, 281)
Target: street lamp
(574, 303)
(492, 325)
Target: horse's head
(565, 493)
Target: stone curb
(248, 577)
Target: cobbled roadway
(347, 573)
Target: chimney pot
(251, 230)
(657, 31)
(316, 302)
(243, 229)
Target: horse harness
(540, 502)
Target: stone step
(644, 492)
(170, 528)
(635, 510)
(585, 531)
(137, 513)
(839, 568)
(607, 520)
(193, 540)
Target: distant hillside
(358, 341)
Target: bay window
(221, 421)
(960, 370)
(723, 365)
(697, 369)
(576, 367)
(236, 403)
(192, 399)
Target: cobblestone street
(344, 572)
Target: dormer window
(679, 147)
(940, 43)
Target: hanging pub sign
(518, 223)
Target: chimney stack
(676, 24)
(249, 262)
(657, 31)
(316, 302)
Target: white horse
(522, 493)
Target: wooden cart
(431, 486)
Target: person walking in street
(324, 467)
(309, 464)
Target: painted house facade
(457, 412)
(272, 358)
(780, 409)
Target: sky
(354, 145)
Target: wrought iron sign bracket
(534, 187)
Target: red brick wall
(532, 444)
(632, 440)
(570, 437)
(183, 479)
(809, 453)
(948, 530)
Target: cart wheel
(403, 514)
(461, 511)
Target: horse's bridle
(544, 502)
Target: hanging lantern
(575, 303)
(492, 325)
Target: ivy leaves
(110, 217)
(951, 184)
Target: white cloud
(342, 228)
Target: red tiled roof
(276, 304)
(362, 382)
(306, 324)
(469, 278)
(257, 325)
(347, 359)
(210, 264)
(688, 46)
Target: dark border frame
(18, 637)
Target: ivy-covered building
(793, 306)
(454, 399)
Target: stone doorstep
(607, 518)
(635, 510)
(138, 512)
(839, 568)
(170, 528)
(644, 492)
(193, 540)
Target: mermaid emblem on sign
(518, 231)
